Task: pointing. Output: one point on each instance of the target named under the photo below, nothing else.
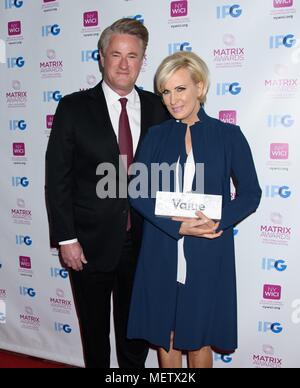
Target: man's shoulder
(147, 95)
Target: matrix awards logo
(276, 232)
(50, 5)
(284, 84)
(267, 358)
(19, 154)
(20, 214)
(279, 156)
(228, 116)
(91, 26)
(283, 9)
(25, 268)
(29, 320)
(230, 55)
(60, 304)
(271, 297)
(91, 81)
(52, 67)
(179, 14)
(16, 98)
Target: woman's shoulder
(161, 128)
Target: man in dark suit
(99, 238)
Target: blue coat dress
(203, 311)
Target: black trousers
(92, 293)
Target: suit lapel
(100, 115)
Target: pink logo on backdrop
(14, 28)
(49, 121)
(25, 262)
(272, 292)
(179, 8)
(228, 116)
(48, 1)
(279, 151)
(90, 19)
(18, 149)
(283, 3)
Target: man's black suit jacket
(82, 137)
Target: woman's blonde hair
(183, 60)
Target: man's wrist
(68, 242)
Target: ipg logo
(224, 88)
(13, 4)
(269, 264)
(277, 41)
(225, 358)
(179, 46)
(13, 63)
(49, 96)
(62, 328)
(224, 11)
(17, 125)
(275, 121)
(59, 273)
(90, 55)
(49, 29)
(18, 181)
(23, 240)
(265, 327)
(139, 18)
(25, 291)
(278, 191)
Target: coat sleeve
(146, 206)
(248, 191)
(59, 174)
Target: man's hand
(199, 227)
(73, 256)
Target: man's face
(122, 62)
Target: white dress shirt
(189, 174)
(114, 109)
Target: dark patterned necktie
(125, 138)
(125, 142)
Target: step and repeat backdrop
(48, 49)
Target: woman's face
(180, 95)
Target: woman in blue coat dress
(184, 294)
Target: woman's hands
(199, 227)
